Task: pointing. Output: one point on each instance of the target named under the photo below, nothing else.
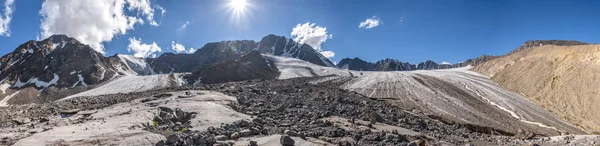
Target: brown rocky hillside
(562, 79)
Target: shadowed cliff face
(249, 66)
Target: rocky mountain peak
(387, 60)
(60, 38)
(59, 61)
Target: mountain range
(389, 64)
(64, 62)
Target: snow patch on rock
(80, 82)
(3, 87)
(37, 82)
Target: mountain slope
(58, 61)
(47, 70)
(248, 67)
(222, 51)
(536, 43)
(458, 96)
(563, 79)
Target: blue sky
(409, 30)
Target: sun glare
(238, 5)
(240, 12)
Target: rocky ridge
(221, 51)
(537, 43)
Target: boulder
(253, 143)
(235, 135)
(286, 140)
(246, 132)
(221, 138)
(173, 139)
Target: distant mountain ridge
(389, 64)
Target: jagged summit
(60, 37)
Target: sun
(238, 5)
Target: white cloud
(191, 50)
(444, 62)
(311, 34)
(6, 17)
(142, 7)
(142, 50)
(95, 21)
(370, 23)
(327, 54)
(162, 10)
(184, 25)
(179, 48)
(402, 19)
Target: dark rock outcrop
(247, 67)
(393, 65)
(427, 65)
(356, 64)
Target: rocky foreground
(259, 112)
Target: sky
(407, 30)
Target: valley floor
(239, 113)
